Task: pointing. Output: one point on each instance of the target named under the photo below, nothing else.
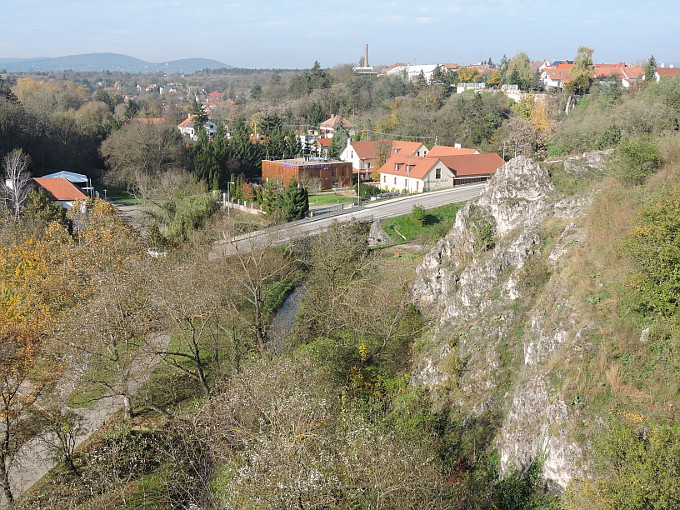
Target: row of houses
(557, 75)
(407, 167)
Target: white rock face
(505, 300)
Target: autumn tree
(582, 72)
(519, 71)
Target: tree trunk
(4, 481)
(128, 407)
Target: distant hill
(107, 61)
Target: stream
(284, 320)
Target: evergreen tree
(294, 202)
(649, 71)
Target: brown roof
(60, 188)
(324, 142)
(473, 164)
(444, 150)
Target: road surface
(370, 212)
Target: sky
(294, 34)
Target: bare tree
(15, 185)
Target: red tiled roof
(405, 147)
(399, 164)
(473, 164)
(559, 73)
(668, 72)
(335, 119)
(324, 142)
(443, 150)
(186, 121)
(60, 188)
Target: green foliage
(40, 207)
(419, 215)
(610, 137)
(635, 160)
(523, 490)
(367, 191)
(637, 465)
(484, 236)
(436, 224)
(654, 247)
(187, 214)
(294, 202)
(582, 71)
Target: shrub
(418, 214)
(654, 246)
(637, 463)
(634, 160)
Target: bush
(637, 464)
(418, 214)
(634, 160)
(654, 246)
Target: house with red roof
(63, 192)
(666, 72)
(187, 127)
(329, 126)
(366, 157)
(416, 174)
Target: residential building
(187, 127)
(330, 174)
(415, 174)
(666, 72)
(366, 157)
(329, 126)
(64, 193)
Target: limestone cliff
(502, 312)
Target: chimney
(366, 55)
(414, 61)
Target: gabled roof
(558, 73)
(187, 122)
(405, 147)
(335, 119)
(60, 188)
(444, 150)
(367, 150)
(324, 142)
(668, 72)
(405, 165)
(473, 164)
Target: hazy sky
(282, 33)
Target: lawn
(119, 196)
(329, 199)
(438, 222)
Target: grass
(329, 199)
(438, 222)
(120, 196)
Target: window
(369, 165)
(395, 181)
(438, 173)
(351, 154)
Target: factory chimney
(366, 55)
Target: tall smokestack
(366, 55)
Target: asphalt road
(369, 212)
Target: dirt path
(32, 461)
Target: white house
(64, 193)
(367, 156)
(187, 127)
(416, 174)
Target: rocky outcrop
(502, 314)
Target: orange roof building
(61, 189)
(416, 174)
